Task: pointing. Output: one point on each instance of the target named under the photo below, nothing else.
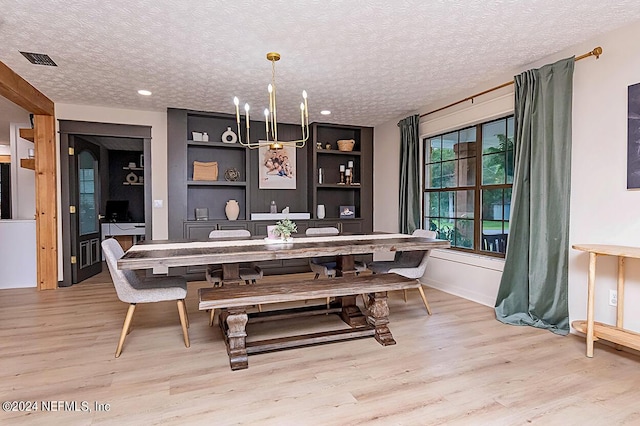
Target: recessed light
(144, 92)
(325, 112)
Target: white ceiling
(366, 61)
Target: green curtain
(409, 174)
(534, 285)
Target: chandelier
(270, 116)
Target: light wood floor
(457, 367)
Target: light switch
(157, 204)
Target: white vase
(232, 209)
(229, 136)
(321, 212)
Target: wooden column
(22, 93)
(46, 206)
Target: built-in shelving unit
(331, 193)
(186, 194)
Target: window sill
(472, 259)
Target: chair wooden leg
(404, 294)
(212, 317)
(424, 299)
(183, 321)
(186, 315)
(259, 308)
(125, 328)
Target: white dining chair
(410, 264)
(133, 290)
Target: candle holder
(341, 177)
(348, 176)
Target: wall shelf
(28, 163)
(215, 183)
(27, 134)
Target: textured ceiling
(366, 61)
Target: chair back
(423, 233)
(327, 230)
(229, 233)
(125, 281)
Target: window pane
(467, 172)
(493, 239)
(445, 228)
(492, 135)
(433, 173)
(435, 150)
(468, 135)
(87, 213)
(510, 166)
(507, 203)
(492, 204)
(449, 142)
(449, 174)
(447, 204)
(510, 124)
(464, 233)
(465, 201)
(493, 168)
(431, 201)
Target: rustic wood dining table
(230, 253)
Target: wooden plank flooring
(457, 367)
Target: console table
(596, 330)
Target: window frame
(477, 188)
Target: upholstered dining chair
(133, 290)
(249, 273)
(410, 264)
(323, 266)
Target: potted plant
(284, 228)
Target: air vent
(39, 59)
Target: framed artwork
(277, 167)
(347, 212)
(633, 137)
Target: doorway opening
(106, 192)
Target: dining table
(229, 253)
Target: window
(468, 178)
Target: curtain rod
(595, 52)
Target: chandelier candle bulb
(266, 121)
(302, 116)
(236, 102)
(306, 107)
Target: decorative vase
(232, 209)
(229, 136)
(321, 211)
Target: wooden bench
(234, 300)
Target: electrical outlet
(613, 297)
